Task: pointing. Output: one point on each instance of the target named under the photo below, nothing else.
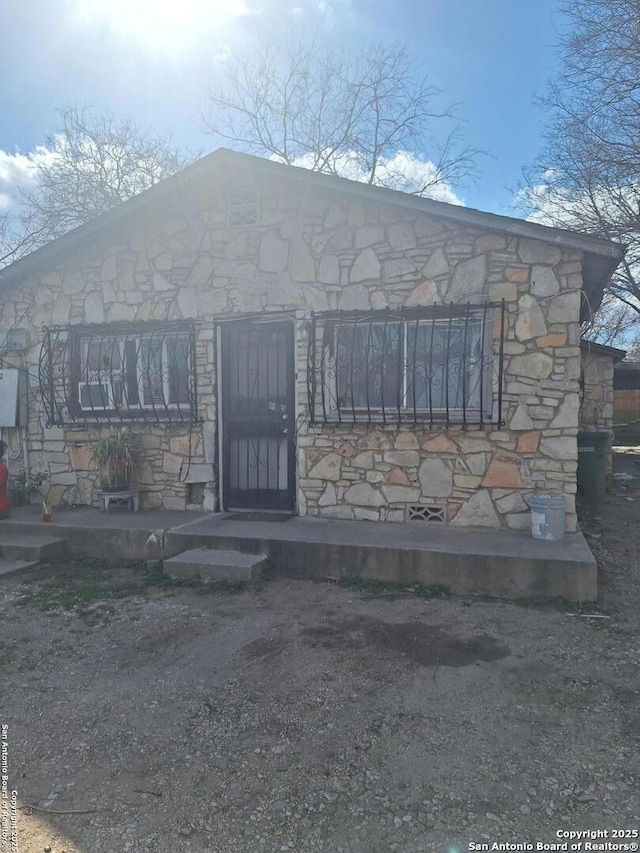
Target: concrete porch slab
(110, 536)
(502, 563)
(509, 564)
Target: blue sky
(152, 60)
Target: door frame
(284, 320)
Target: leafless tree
(94, 163)
(613, 324)
(16, 239)
(363, 116)
(588, 175)
(633, 352)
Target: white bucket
(548, 516)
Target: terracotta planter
(116, 477)
(46, 517)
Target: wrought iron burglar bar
(119, 373)
(258, 414)
(437, 365)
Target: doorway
(258, 435)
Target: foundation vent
(423, 512)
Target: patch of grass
(559, 603)
(87, 585)
(68, 592)
(157, 578)
(224, 587)
(83, 583)
(373, 587)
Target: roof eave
(601, 349)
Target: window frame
(71, 358)
(484, 373)
(98, 376)
(402, 410)
(336, 390)
(165, 376)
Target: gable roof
(602, 349)
(601, 257)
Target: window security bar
(437, 365)
(119, 373)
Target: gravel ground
(310, 717)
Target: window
(101, 381)
(162, 369)
(368, 367)
(445, 364)
(242, 207)
(124, 372)
(431, 365)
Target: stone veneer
(316, 250)
(596, 409)
(479, 476)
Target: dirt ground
(306, 717)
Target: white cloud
(552, 204)
(19, 171)
(15, 169)
(403, 171)
(549, 204)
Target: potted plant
(115, 456)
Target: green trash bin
(593, 448)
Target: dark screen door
(257, 415)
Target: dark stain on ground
(426, 645)
(265, 648)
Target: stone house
(283, 338)
(596, 389)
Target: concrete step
(28, 546)
(215, 566)
(8, 566)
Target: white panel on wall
(8, 396)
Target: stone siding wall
(480, 476)
(596, 408)
(320, 251)
(173, 458)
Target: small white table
(129, 499)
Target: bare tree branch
(95, 163)
(588, 175)
(347, 115)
